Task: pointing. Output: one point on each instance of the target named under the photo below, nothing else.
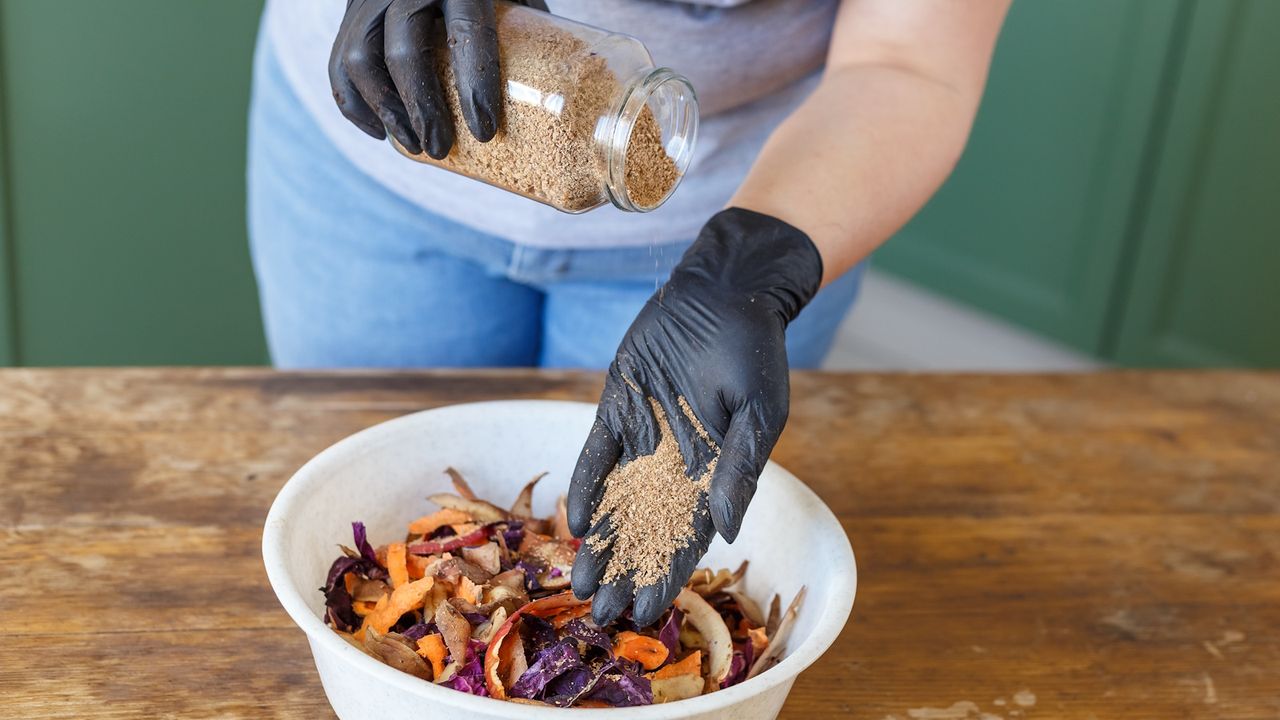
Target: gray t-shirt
(750, 61)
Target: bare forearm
(883, 129)
(858, 159)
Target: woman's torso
(751, 62)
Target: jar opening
(652, 140)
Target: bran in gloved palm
(702, 370)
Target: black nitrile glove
(714, 335)
(383, 72)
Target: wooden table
(1089, 546)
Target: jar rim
(652, 85)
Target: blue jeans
(351, 275)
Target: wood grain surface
(1044, 546)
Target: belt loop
(514, 271)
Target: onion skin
(711, 626)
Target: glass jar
(587, 118)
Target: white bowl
(381, 476)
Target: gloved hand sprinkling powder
(692, 406)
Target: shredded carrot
(416, 565)
(363, 607)
(589, 703)
(564, 616)
(401, 600)
(349, 581)
(396, 565)
(649, 652)
(428, 524)
(690, 665)
(432, 648)
(467, 590)
(364, 624)
(759, 640)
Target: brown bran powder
(546, 147)
(651, 501)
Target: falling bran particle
(1024, 698)
(651, 502)
(1210, 691)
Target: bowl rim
(825, 630)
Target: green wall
(1119, 194)
(123, 214)
(1031, 224)
(1203, 288)
(1120, 189)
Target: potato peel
(394, 650)
(460, 484)
(485, 512)
(523, 505)
(676, 687)
(455, 629)
(560, 523)
(778, 639)
(749, 607)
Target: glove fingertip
(397, 124)
(728, 507)
(584, 584)
(611, 600)
(482, 119)
(579, 516)
(588, 569)
(649, 605)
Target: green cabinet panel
(1205, 287)
(125, 136)
(8, 307)
(1032, 224)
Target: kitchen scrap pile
(475, 599)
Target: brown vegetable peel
(455, 629)
(395, 650)
(460, 484)
(750, 608)
(778, 639)
(484, 512)
(523, 506)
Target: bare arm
(883, 129)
